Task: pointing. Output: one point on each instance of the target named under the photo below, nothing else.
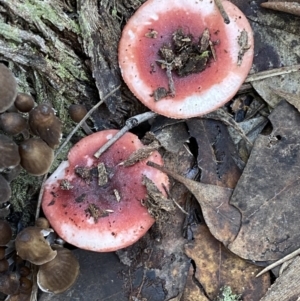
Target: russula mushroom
(181, 59)
(95, 204)
(5, 190)
(14, 124)
(5, 233)
(36, 156)
(77, 112)
(59, 274)
(8, 91)
(32, 246)
(44, 123)
(24, 102)
(10, 157)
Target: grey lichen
(226, 294)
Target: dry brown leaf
(192, 291)
(215, 152)
(267, 193)
(216, 267)
(222, 219)
(292, 98)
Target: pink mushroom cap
(66, 206)
(196, 94)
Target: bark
(65, 51)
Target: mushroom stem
(86, 128)
(130, 123)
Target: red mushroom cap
(72, 195)
(196, 94)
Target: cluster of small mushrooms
(58, 268)
(29, 133)
(15, 273)
(36, 128)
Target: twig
(89, 113)
(173, 200)
(270, 73)
(278, 262)
(130, 123)
(223, 116)
(283, 6)
(38, 208)
(169, 68)
(222, 11)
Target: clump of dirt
(184, 55)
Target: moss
(24, 187)
(47, 11)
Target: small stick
(173, 200)
(283, 6)
(222, 11)
(270, 73)
(169, 76)
(278, 262)
(130, 123)
(223, 116)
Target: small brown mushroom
(42, 222)
(24, 271)
(5, 190)
(59, 274)
(9, 283)
(8, 91)
(24, 102)
(77, 112)
(36, 156)
(32, 246)
(25, 285)
(11, 174)
(10, 157)
(3, 265)
(19, 297)
(5, 233)
(14, 124)
(44, 123)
